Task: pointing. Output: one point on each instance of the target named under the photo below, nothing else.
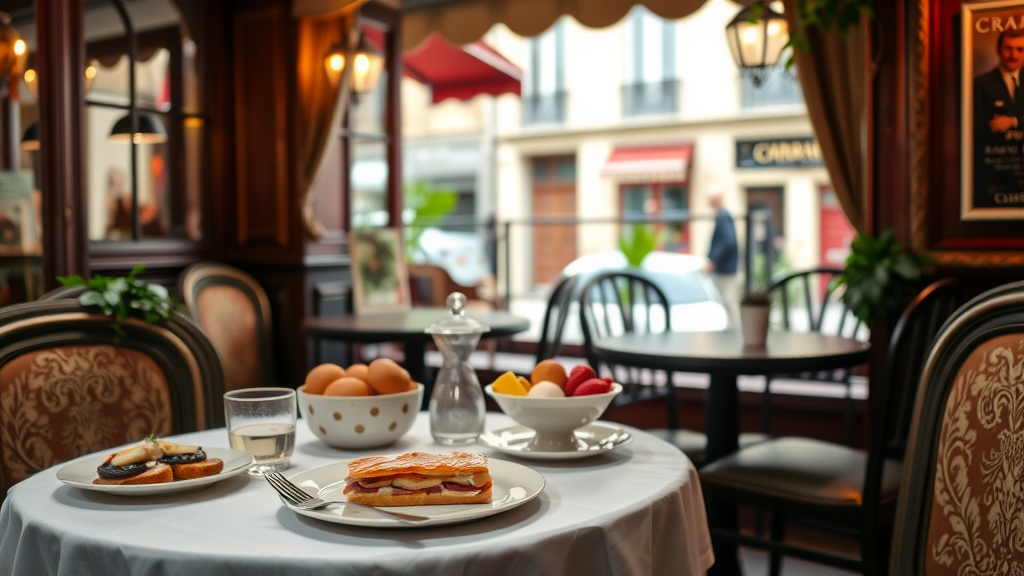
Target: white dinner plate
(513, 485)
(80, 474)
(591, 440)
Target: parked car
(694, 302)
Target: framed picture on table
(992, 110)
(380, 278)
(17, 232)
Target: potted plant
(755, 308)
(123, 297)
(877, 271)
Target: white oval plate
(591, 440)
(513, 485)
(80, 474)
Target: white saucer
(591, 440)
(513, 486)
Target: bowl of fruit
(362, 406)
(554, 403)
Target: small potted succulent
(755, 308)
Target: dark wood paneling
(261, 126)
(59, 59)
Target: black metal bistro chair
(830, 484)
(795, 299)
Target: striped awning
(649, 164)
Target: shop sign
(778, 153)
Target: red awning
(454, 72)
(650, 163)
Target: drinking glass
(261, 421)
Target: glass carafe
(457, 403)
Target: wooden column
(60, 65)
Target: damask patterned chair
(233, 310)
(961, 505)
(66, 390)
(832, 485)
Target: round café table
(724, 356)
(407, 327)
(636, 510)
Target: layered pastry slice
(419, 479)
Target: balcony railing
(544, 108)
(650, 98)
(780, 89)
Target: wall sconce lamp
(756, 37)
(369, 61)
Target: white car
(694, 302)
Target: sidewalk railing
(502, 238)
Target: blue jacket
(724, 252)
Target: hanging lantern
(368, 63)
(13, 52)
(756, 37)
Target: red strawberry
(608, 380)
(593, 386)
(577, 376)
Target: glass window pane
(673, 200)
(637, 200)
(566, 169)
(369, 177)
(156, 217)
(153, 80)
(108, 177)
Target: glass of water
(261, 421)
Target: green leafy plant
(124, 297)
(429, 206)
(875, 270)
(826, 15)
(642, 240)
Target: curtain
(321, 101)
(834, 78)
(467, 21)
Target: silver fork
(299, 498)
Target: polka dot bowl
(357, 422)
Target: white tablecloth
(635, 510)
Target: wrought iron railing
(544, 108)
(650, 98)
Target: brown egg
(550, 371)
(348, 387)
(412, 384)
(387, 377)
(361, 371)
(319, 377)
(526, 383)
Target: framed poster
(380, 279)
(992, 113)
(17, 233)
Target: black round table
(724, 356)
(408, 327)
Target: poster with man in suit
(993, 111)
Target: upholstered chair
(233, 310)
(67, 390)
(961, 504)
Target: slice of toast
(201, 469)
(155, 475)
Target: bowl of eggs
(362, 406)
(554, 403)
